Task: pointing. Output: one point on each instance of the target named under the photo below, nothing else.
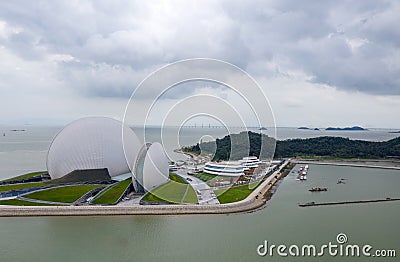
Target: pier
(312, 204)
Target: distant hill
(330, 147)
(307, 128)
(337, 147)
(244, 144)
(354, 128)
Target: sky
(320, 63)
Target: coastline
(256, 199)
(187, 154)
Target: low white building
(229, 169)
(250, 162)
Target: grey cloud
(316, 38)
(115, 44)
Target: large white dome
(93, 143)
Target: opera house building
(99, 148)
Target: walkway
(205, 194)
(42, 201)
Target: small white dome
(151, 167)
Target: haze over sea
(206, 237)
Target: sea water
(233, 237)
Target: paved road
(205, 194)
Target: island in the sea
(135, 179)
(308, 128)
(319, 147)
(75, 183)
(354, 128)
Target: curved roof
(233, 169)
(93, 143)
(152, 168)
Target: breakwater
(349, 163)
(311, 204)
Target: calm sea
(207, 237)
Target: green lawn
(25, 176)
(20, 186)
(191, 197)
(113, 193)
(67, 194)
(172, 192)
(233, 194)
(204, 176)
(17, 202)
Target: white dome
(93, 143)
(151, 168)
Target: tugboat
(318, 189)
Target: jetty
(312, 204)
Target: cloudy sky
(321, 63)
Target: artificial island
(97, 166)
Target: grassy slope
(20, 186)
(204, 176)
(17, 202)
(66, 194)
(191, 197)
(25, 176)
(113, 193)
(233, 194)
(172, 192)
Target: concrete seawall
(255, 200)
